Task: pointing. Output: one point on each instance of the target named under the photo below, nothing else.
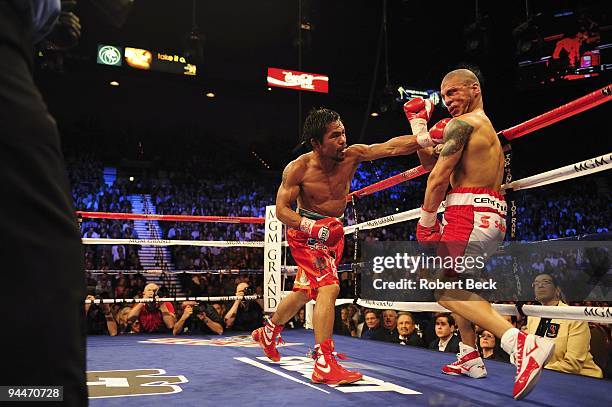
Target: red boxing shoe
(326, 368)
(530, 354)
(268, 336)
(470, 364)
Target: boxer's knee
(328, 292)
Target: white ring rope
(172, 299)
(166, 242)
(602, 315)
(592, 314)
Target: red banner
(284, 78)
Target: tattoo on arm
(455, 136)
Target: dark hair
(553, 279)
(316, 123)
(449, 318)
(371, 311)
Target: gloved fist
(418, 112)
(328, 230)
(435, 135)
(428, 228)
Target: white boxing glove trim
(428, 219)
(424, 140)
(306, 225)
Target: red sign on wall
(284, 78)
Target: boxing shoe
(268, 336)
(326, 368)
(530, 354)
(468, 363)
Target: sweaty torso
(324, 192)
(482, 160)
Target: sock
(508, 340)
(269, 326)
(465, 349)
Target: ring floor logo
(139, 382)
(294, 367)
(244, 341)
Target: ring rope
(580, 313)
(167, 242)
(181, 218)
(172, 299)
(602, 315)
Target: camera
(249, 290)
(198, 309)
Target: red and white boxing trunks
(474, 224)
(317, 263)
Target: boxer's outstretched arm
(401, 145)
(456, 135)
(287, 194)
(427, 157)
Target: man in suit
(407, 332)
(445, 331)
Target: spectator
(572, 338)
(100, 320)
(489, 347)
(220, 308)
(445, 331)
(243, 315)
(153, 316)
(198, 319)
(407, 331)
(345, 325)
(372, 326)
(299, 320)
(388, 333)
(123, 325)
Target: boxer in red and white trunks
(471, 160)
(474, 224)
(317, 263)
(319, 182)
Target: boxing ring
(210, 370)
(230, 369)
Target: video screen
(563, 46)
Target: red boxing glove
(428, 229)
(328, 230)
(435, 135)
(418, 112)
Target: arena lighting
(131, 179)
(374, 114)
(114, 83)
(210, 95)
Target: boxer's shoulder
(295, 169)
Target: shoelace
(458, 361)
(314, 354)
